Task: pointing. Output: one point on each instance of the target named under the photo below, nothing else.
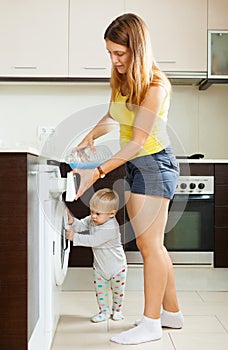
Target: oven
(189, 234)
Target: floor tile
(73, 341)
(204, 308)
(77, 333)
(202, 324)
(195, 341)
(102, 342)
(223, 319)
(205, 313)
(214, 296)
(80, 324)
(191, 296)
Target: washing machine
(54, 251)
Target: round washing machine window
(62, 245)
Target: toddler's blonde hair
(105, 200)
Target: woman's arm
(104, 126)
(143, 125)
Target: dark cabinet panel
(82, 256)
(221, 247)
(196, 169)
(221, 215)
(221, 171)
(14, 250)
(221, 195)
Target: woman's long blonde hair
(131, 31)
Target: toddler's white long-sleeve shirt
(105, 241)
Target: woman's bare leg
(170, 302)
(148, 215)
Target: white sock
(149, 329)
(169, 319)
(100, 317)
(137, 322)
(117, 316)
(172, 319)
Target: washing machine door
(61, 245)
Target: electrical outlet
(45, 131)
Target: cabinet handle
(25, 67)
(94, 68)
(166, 61)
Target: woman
(140, 103)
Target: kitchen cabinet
(217, 14)
(218, 54)
(82, 256)
(219, 171)
(178, 32)
(87, 52)
(34, 38)
(63, 39)
(221, 215)
(19, 234)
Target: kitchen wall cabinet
(34, 38)
(221, 215)
(217, 14)
(19, 234)
(218, 54)
(87, 52)
(64, 38)
(178, 32)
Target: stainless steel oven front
(189, 236)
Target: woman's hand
(87, 179)
(86, 142)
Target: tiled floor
(206, 323)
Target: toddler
(109, 266)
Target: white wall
(198, 119)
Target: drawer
(221, 195)
(221, 240)
(221, 216)
(221, 247)
(196, 169)
(221, 174)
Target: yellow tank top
(157, 140)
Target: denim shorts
(155, 174)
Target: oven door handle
(194, 197)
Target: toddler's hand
(70, 217)
(70, 234)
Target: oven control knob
(201, 186)
(183, 186)
(192, 186)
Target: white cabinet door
(88, 21)
(178, 32)
(218, 14)
(33, 38)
